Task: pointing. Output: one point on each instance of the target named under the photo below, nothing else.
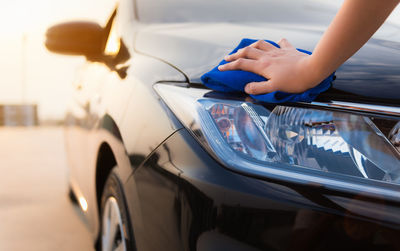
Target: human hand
(286, 68)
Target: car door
(82, 116)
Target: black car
(160, 162)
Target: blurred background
(29, 74)
(35, 86)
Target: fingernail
(247, 88)
(221, 67)
(227, 57)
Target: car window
(236, 10)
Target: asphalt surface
(35, 213)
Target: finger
(256, 88)
(262, 45)
(247, 52)
(240, 64)
(284, 43)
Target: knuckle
(246, 51)
(230, 64)
(257, 89)
(259, 43)
(239, 62)
(266, 62)
(274, 54)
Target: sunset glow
(26, 66)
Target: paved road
(35, 213)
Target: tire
(114, 213)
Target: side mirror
(76, 38)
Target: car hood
(372, 75)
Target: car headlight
(301, 142)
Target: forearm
(355, 23)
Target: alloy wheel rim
(112, 237)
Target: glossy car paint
(96, 119)
(180, 198)
(187, 201)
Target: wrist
(315, 71)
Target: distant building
(18, 115)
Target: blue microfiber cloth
(235, 81)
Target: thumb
(256, 88)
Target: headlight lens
(241, 127)
(249, 137)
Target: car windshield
(154, 11)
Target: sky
(48, 77)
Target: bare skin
(291, 71)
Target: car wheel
(116, 233)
